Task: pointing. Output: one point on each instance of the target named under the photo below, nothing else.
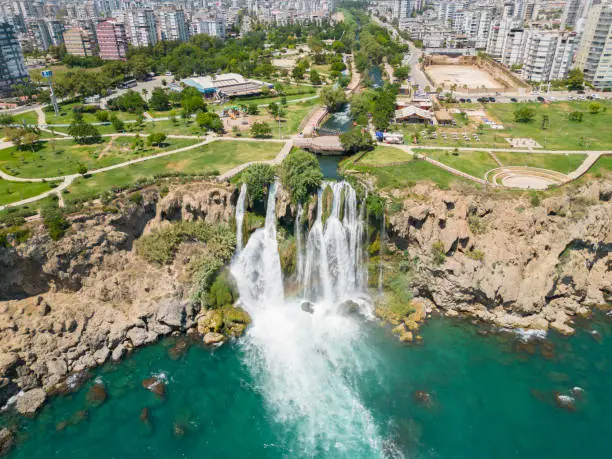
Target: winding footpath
(67, 180)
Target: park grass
(30, 118)
(217, 157)
(66, 157)
(593, 133)
(383, 155)
(16, 191)
(602, 167)
(560, 163)
(295, 115)
(407, 175)
(66, 115)
(475, 163)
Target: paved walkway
(68, 179)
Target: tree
(356, 140)
(118, 125)
(6, 120)
(191, 101)
(23, 137)
(260, 129)
(102, 116)
(55, 223)
(30, 139)
(301, 175)
(156, 139)
(84, 133)
(82, 169)
(315, 78)
(258, 177)
(131, 102)
(210, 121)
(137, 143)
(524, 115)
(575, 79)
(333, 98)
(401, 73)
(298, 73)
(159, 100)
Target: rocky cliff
(70, 305)
(507, 259)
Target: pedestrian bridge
(323, 145)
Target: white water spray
(308, 365)
(298, 242)
(240, 209)
(381, 251)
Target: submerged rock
(179, 349)
(30, 402)
(179, 430)
(97, 394)
(567, 402)
(211, 321)
(422, 398)
(144, 415)
(6, 441)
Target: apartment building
(141, 27)
(79, 42)
(112, 40)
(594, 54)
(172, 25)
(12, 65)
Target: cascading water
(240, 209)
(298, 242)
(381, 266)
(307, 361)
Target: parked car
(513, 99)
(469, 101)
(581, 97)
(541, 99)
(580, 91)
(491, 99)
(570, 97)
(462, 100)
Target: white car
(570, 97)
(581, 97)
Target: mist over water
(307, 354)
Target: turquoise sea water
(490, 397)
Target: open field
(63, 157)
(461, 75)
(16, 191)
(593, 133)
(27, 117)
(560, 163)
(66, 115)
(475, 163)
(383, 155)
(219, 156)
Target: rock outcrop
(507, 261)
(70, 305)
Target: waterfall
(240, 209)
(307, 363)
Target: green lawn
(218, 156)
(475, 163)
(295, 114)
(383, 155)
(66, 115)
(602, 167)
(593, 133)
(406, 175)
(65, 157)
(16, 191)
(560, 163)
(28, 117)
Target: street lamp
(48, 74)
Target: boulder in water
(155, 385)
(422, 398)
(348, 307)
(144, 415)
(308, 307)
(213, 338)
(567, 402)
(211, 321)
(179, 349)
(30, 402)
(179, 430)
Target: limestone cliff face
(70, 305)
(508, 261)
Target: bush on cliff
(258, 177)
(301, 175)
(55, 223)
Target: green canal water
(490, 397)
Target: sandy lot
(461, 75)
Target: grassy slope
(218, 156)
(68, 156)
(15, 191)
(559, 163)
(475, 163)
(383, 155)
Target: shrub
(535, 199)
(438, 253)
(209, 121)
(84, 133)
(118, 125)
(375, 206)
(576, 116)
(476, 224)
(258, 177)
(136, 198)
(222, 291)
(475, 254)
(301, 175)
(102, 116)
(55, 223)
(356, 140)
(156, 138)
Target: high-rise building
(12, 65)
(172, 25)
(594, 54)
(402, 8)
(212, 27)
(112, 40)
(574, 14)
(141, 27)
(48, 33)
(79, 42)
